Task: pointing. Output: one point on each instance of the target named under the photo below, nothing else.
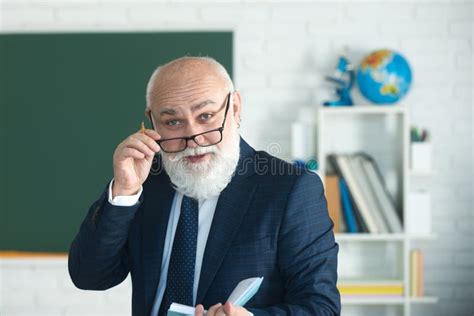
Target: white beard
(205, 179)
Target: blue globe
(384, 77)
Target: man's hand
(222, 310)
(132, 161)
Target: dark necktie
(180, 280)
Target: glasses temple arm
(226, 109)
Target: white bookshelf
(374, 256)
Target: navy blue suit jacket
(271, 220)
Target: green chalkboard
(66, 101)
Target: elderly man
(207, 212)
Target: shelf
(369, 237)
(382, 237)
(423, 300)
(363, 109)
(345, 300)
(369, 281)
(399, 300)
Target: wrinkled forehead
(185, 83)
(185, 91)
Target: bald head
(185, 74)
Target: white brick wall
(282, 50)
(43, 287)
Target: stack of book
(416, 273)
(358, 200)
(369, 289)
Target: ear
(236, 106)
(148, 115)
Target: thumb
(229, 308)
(199, 311)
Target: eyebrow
(172, 111)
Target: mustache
(190, 152)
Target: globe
(384, 77)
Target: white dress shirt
(206, 213)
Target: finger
(150, 159)
(132, 152)
(144, 150)
(147, 140)
(229, 308)
(153, 134)
(212, 311)
(220, 312)
(141, 146)
(199, 311)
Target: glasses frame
(193, 137)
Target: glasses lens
(209, 138)
(173, 145)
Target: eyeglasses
(205, 139)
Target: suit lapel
(231, 207)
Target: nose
(191, 144)
(192, 129)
